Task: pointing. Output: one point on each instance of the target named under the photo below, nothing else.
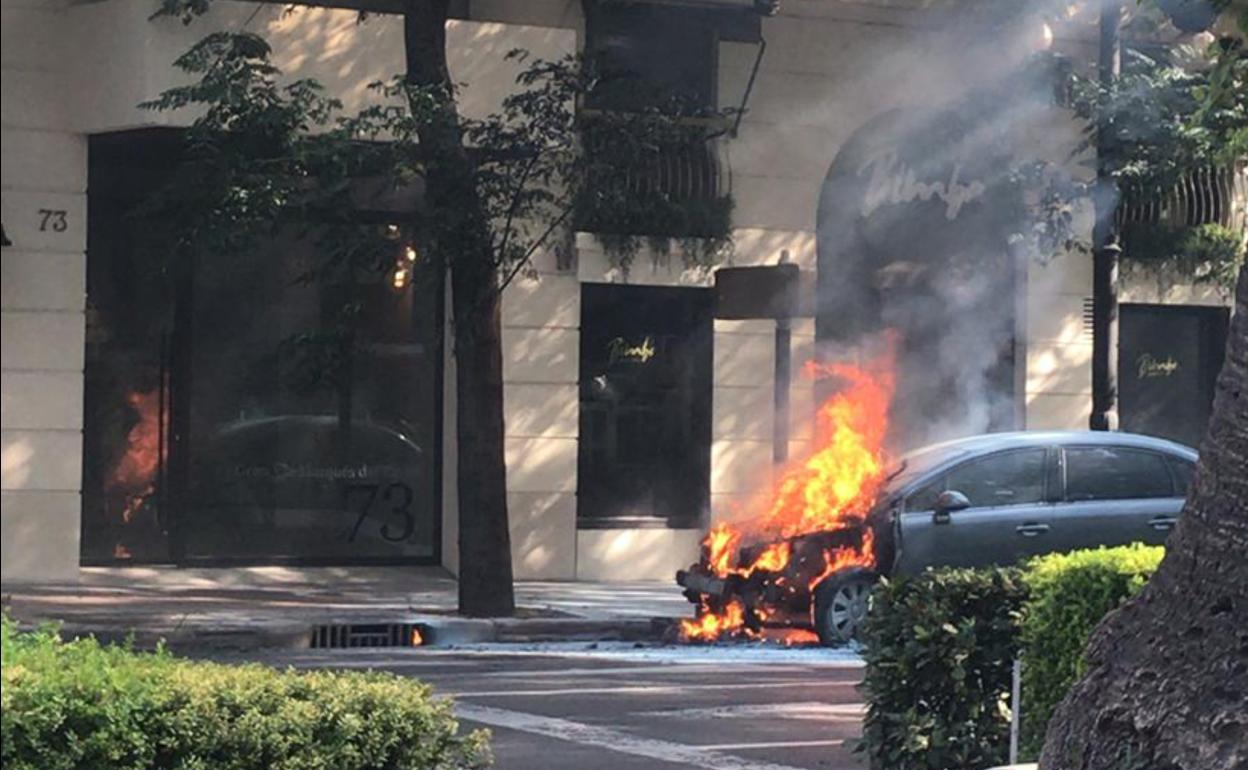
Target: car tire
(841, 604)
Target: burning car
(990, 499)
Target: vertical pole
(1106, 250)
(783, 358)
(1016, 692)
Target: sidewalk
(254, 607)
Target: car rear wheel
(841, 605)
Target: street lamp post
(1105, 243)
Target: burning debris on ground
(756, 578)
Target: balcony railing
(1206, 196)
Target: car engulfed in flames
(763, 576)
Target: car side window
(924, 498)
(1183, 473)
(1006, 478)
(1115, 473)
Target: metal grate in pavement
(349, 635)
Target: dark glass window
(1006, 478)
(239, 410)
(651, 53)
(1184, 472)
(1115, 473)
(1168, 363)
(924, 498)
(645, 406)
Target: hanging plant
(1209, 254)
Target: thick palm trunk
(462, 242)
(1167, 680)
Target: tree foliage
(268, 154)
(1173, 111)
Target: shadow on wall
(344, 51)
(347, 53)
(1059, 370)
(543, 534)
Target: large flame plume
(829, 489)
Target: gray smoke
(920, 218)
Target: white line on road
(657, 688)
(590, 735)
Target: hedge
(80, 704)
(940, 646)
(939, 650)
(1068, 595)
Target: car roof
(990, 442)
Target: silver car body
(1070, 508)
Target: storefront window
(1169, 357)
(256, 414)
(644, 451)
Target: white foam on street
(708, 758)
(823, 657)
(646, 689)
(816, 710)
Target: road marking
(648, 688)
(615, 740)
(771, 745)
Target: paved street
(573, 706)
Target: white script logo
(894, 182)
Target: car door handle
(1162, 523)
(1031, 529)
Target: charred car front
(985, 500)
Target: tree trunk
(462, 243)
(1167, 680)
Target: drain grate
(367, 635)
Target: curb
(437, 631)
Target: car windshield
(918, 462)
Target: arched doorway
(915, 222)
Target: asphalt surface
(620, 707)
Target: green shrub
(939, 650)
(79, 704)
(1069, 594)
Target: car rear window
(1115, 473)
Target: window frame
(1046, 494)
(1165, 457)
(113, 151)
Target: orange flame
(831, 488)
(709, 626)
(721, 546)
(842, 477)
(135, 473)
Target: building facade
(637, 410)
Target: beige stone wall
(541, 356)
(43, 169)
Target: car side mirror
(949, 501)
